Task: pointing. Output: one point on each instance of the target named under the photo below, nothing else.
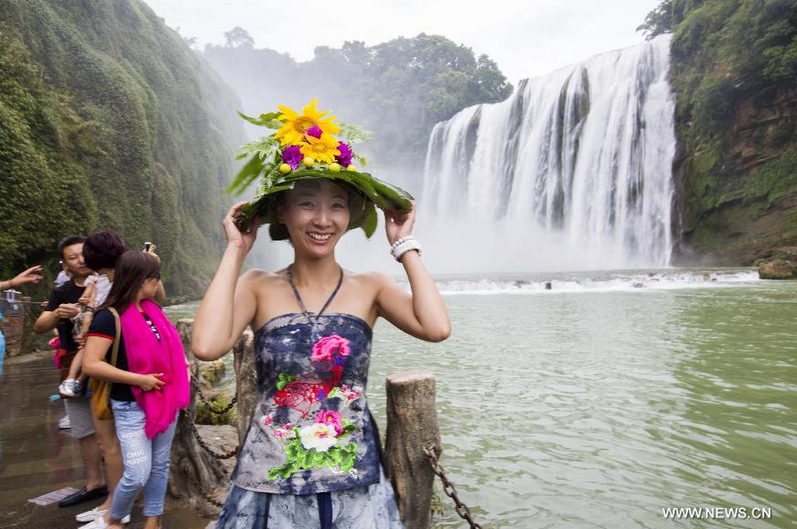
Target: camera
(147, 246)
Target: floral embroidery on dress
(321, 443)
(300, 393)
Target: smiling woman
(311, 198)
(312, 442)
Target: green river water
(610, 397)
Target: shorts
(79, 411)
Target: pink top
(147, 354)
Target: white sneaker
(100, 523)
(90, 516)
(70, 388)
(64, 423)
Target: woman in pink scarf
(150, 384)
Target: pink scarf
(145, 355)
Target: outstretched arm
(230, 303)
(31, 275)
(422, 313)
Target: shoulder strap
(116, 339)
(299, 298)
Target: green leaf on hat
(246, 176)
(269, 120)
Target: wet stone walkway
(36, 457)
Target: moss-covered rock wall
(109, 121)
(734, 71)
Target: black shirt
(69, 292)
(104, 326)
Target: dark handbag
(101, 389)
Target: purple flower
(314, 131)
(344, 158)
(321, 394)
(292, 156)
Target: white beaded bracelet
(404, 245)
(407, 237)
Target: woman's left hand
(398, 225)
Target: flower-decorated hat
(304, 146)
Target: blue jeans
(146, 461)
(2, 347)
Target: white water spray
(573, 171)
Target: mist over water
(573, 171)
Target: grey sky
(527, 38)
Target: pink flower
(330, 418)
(326, 347)
(292, 156)
(352, 393)
(314, 131)
(268, 419)
(344, 158)
(284, 431)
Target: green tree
(238, 37)
(398, 89)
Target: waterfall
(580, 161)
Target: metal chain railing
(202, 492)
(451, 491)
(207, 448)
(210, 406)
(216, 455)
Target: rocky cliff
(109, 120)
(734, 72)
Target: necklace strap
(299, 297)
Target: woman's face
(316, 214)
(149, 288)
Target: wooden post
(411, 424)
(246, 382)
(189, 461)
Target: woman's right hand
(236, 238)
(150, 382)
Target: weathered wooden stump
(411, 425)
(245, 381)
(191, 465)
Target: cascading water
(578, 161)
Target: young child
(97, 288)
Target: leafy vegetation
(109, 121)
(398, 89)
(734, 71)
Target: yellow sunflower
(323, 149)
(292, 132)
